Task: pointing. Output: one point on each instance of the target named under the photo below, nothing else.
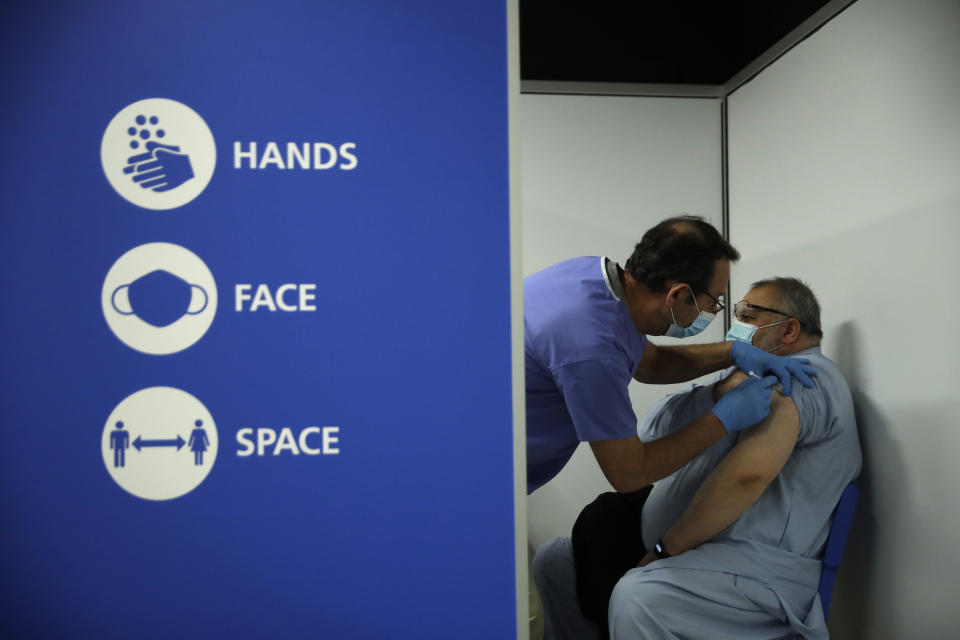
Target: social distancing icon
(159, 298)
(159, 443)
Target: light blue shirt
(779, 540)
(581, 351)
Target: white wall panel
(596, 173)
(845, 171)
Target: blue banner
(256, 321)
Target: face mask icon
(159, 298)
(168, 288)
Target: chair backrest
(836, 541)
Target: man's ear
(679, 293)
(793, 331)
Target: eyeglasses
(740, 309)
(720, 303)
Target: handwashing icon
(162, 167)
(158, 153)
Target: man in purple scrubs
(586, 322)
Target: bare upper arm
(764, 448)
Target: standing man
(586, 322)
(119, 442)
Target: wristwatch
(661, 550)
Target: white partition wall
(597, 172)
(845, 171)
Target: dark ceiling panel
(651, 42)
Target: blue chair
(836, 541)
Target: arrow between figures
(139, 443)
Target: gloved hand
(750, 359)
(746, 404)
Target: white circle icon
(159, 443)
(159, 298)
(158, 153)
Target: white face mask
(701, 322)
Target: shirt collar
(611, 275)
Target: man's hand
(746, 404)
(751, 359)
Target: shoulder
(825, 409)
(572, 270)
(570, 314)
(566, 291)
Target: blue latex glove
(750, 359)
(746, 404)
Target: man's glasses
(720, 303)
(741, 308)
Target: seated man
(740, 529)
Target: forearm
(721, 499)
(630, 464)
(682, 363)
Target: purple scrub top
(581, 351)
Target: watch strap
(661, 550)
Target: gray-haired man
(735, 536)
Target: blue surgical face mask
(702, 321)
(744, 332)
